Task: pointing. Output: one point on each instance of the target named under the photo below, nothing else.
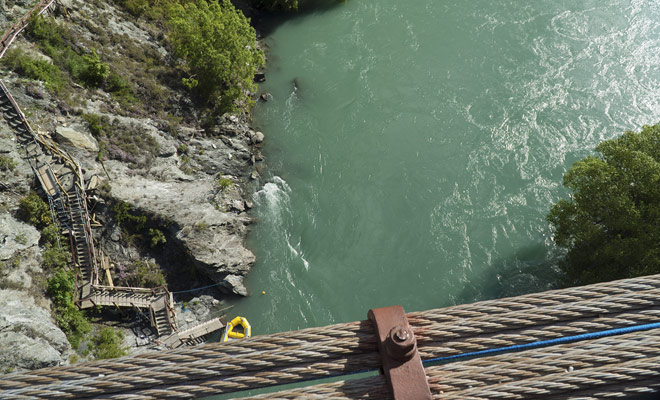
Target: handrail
(16, 28)
(170, 315)
(56, 220)
(88, 229)
(128, 288)
(16, 107)
(154, 322)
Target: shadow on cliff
(266, 21)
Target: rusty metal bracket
(402, 365)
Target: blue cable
(551, 342)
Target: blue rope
(551, 342)
(198, 289)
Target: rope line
(197, 289)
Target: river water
(414, 148)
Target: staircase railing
(24, 120)
(171, 315)
(154, 322)
(19, 25)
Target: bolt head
(400, 334)
(401, 343)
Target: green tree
(94, 71)
(610, 225)
(219, 48)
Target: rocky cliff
(147, 147)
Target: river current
(414, 149)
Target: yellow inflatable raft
(232, 333)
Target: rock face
(213, 237)
(28, 337)
(19, 253)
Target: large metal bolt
(401, 343)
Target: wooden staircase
(122, 297)
(60, 178)
(83, 251)
(194, 335)
(161, 318)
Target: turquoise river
(413, 149)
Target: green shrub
(61, 287)
(72, 62)
(45, 31)
(276, 5)
(94, 71)
(128, 219)
(7, 163)
(224, 183)
(185, 164)
(107, 343)
(50, 235)
(97, 124)
(32, 68)
(150, 8)
(120, 90)
(54, 257)
(609, 224)
(157, 237)
(73, 323)
(34, 210)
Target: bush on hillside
(107, 343)
(35, 211)
(68, 317)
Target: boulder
(235, 282)
(265, 96)
(72, 137)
